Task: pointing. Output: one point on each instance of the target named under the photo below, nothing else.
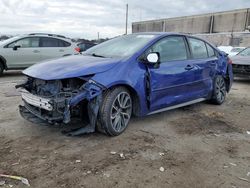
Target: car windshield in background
(237, 49)
(123, 46)
(245, 52)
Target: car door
(205, 60)
(53, 48)
(173, 82)
(22, 53)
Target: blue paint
(170, 84)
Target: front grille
(241, 68)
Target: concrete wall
(227, 39)
(229, 21)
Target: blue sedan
(137, 74)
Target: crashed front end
(58, 101)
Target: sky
(85, 18)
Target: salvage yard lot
(202, 145)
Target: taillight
(78, 49)
(229, 61)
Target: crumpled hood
(242, 60)
(70, 66)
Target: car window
(29, 42)
(210, 51)
(198, 48)
(171, 49)
(52, 42)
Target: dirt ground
(202, 145)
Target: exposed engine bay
(60, 101)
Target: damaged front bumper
(59, 108)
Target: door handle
(189, 67)
(36, 51)
(61, 50)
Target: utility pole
(126, 29)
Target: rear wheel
(219, 92)
(115, 111)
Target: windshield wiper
(96, 55)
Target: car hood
(70, 66)
(242, 60)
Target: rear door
(174, 81)
(205, 60)
(53, 48)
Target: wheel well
(135, 98)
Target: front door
(173, 82)
(27, 53)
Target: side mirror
(153, 58)
(16, 47)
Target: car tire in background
(1, 69)
(219, 91)
(115, 111)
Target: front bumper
(57, 108)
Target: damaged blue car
(136, 74)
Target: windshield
(10, 40)
(245, 52)
(123, 46)
(237, 49)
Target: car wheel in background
(115, 111)
(219, 91)
(1, 69)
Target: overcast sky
(82, 18)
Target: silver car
(23, 51)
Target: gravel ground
(202, 145)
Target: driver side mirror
(16, 47)
(153, 58)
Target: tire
(219, 91)
(115, 111)
(1, 69)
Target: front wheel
(115, 111)
(1, 69)
(219, 92)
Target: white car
(23, 51)
(231, 51)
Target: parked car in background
(241, 63)
(83, 46)
(23, 51)
(231, 51)
(139, 74)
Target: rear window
(52, 42)
(198, 48)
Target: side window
(171, 49)
(198, 48)
(30, 42)
(210, 51)
(52, 42)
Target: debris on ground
(122, 155)
(78, 161)
(162, 169)
(244, 179)
(88, 172)
(248, 132)
(233, 164)
(248, 174)
(161, 154)
(2, 183)
(23, 180)
(113, 152)
(106, 174)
